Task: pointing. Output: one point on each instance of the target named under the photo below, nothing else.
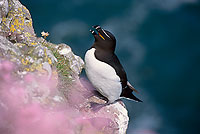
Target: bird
(104, 70)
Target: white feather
(102, 76)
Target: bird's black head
(103, 39)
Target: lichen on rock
(42, 78)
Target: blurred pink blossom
(21, 114)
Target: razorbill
(104, 69)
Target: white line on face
(105, 33)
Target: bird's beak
(97, 27)
(99, 30)
(93, 32)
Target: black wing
(112, 60)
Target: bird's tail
(127, 93)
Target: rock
(40, 86)
(4, 8)
(67, 53)
(6, 47)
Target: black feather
(127, 93)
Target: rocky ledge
(40, 88)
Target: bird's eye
(101, 36)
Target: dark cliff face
(40, 90)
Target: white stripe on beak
(97, 27)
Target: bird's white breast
(102, 76)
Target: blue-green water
(158, 42)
